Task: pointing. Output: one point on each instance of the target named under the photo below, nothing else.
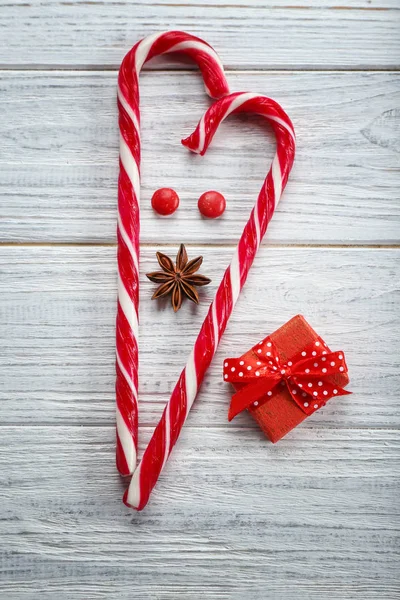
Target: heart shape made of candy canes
(165, 435)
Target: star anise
(178, 280)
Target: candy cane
(129, 223)
(177, 409)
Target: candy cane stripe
(130, 166)
(167, 434)
(191, 382)
(215, 325)
(202, 137)
(288, 128)
(237, 102)
(128, 379)
(235, 277)
(128, 243)
(143, 48)
(125, 437)
(257, 225)
(277, 179)
(128, 307)
(130, 112)
(132, 495)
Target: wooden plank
(271, 34)
(58, 327)
(233, 516)
(59, 140)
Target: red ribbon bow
(308, 376)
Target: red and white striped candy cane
(129, 221)
(177, 409)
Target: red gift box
(285, 378)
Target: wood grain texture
(59, 324)
(249, 34)
(59, 162)
(315, 517)
(218, 525)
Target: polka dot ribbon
(309, 376)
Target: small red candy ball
(211, 204)
(165, 201)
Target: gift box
(286, 378)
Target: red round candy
(165, 201)
(212, 204)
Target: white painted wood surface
(58, 344)
(64, 126)
(233, 517)
(250, 34)
(313, 517)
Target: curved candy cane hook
(129, 221)
(177, 409)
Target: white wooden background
(314, 517)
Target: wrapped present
(285, 378)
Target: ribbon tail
(249, 394)
(342, 392)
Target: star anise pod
(178, 280)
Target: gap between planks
(196, 244)
(150, 426)
(187, 69)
